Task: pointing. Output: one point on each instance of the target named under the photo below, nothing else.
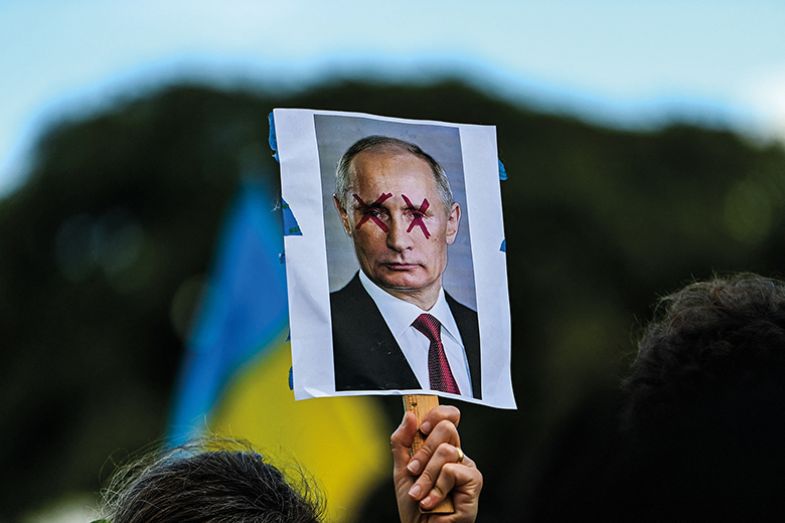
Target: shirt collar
(400, 314)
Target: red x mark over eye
(367, 210)
(418, 214)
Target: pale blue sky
(620, 62)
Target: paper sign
(396, 283)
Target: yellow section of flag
(341, 442)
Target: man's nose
(397, 237)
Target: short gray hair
(344, 173)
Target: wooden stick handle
(421, 405)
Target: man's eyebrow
(374, 204)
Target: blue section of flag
(244, 309)
(502, 172)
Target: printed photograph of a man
(396, 264)
(393, 324)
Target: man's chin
(403, 284)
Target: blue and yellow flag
(235, 376)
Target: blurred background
(140, 281)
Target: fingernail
(425, 503)
(415, 491)
(425, 428)
(413, 466)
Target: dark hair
(344, 174)
(227, 482)
(704, 417)
(711, 340)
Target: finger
(444, 455)
(445, 432)
(462, 482)
(401, 440)
(469, 462)
(438, 414)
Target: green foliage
(104, 249)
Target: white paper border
(306, 257)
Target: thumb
(402, 439)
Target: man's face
(398, 222)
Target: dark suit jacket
(365, 353)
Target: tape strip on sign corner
(290, 225)
(271, 139)
(502, 172)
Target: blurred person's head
(395, 202)
(191, 484)
(715, 351)
(705, 401)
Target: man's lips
(397, 266)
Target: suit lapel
(470, 334)
(376, 353)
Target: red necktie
(438, 367)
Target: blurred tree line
(104, 249)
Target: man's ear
(453, 220)
(343, 215)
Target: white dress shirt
(399, 316)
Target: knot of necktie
(429, 326)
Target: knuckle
(445, 450)
(451, 468)
(444, 424)
(448, 428)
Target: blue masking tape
(503, 247)
(290, 225)
(291, 379)
(502, 172)
(271, 139)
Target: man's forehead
(388, 155)
(390, 165)
(387, 149)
